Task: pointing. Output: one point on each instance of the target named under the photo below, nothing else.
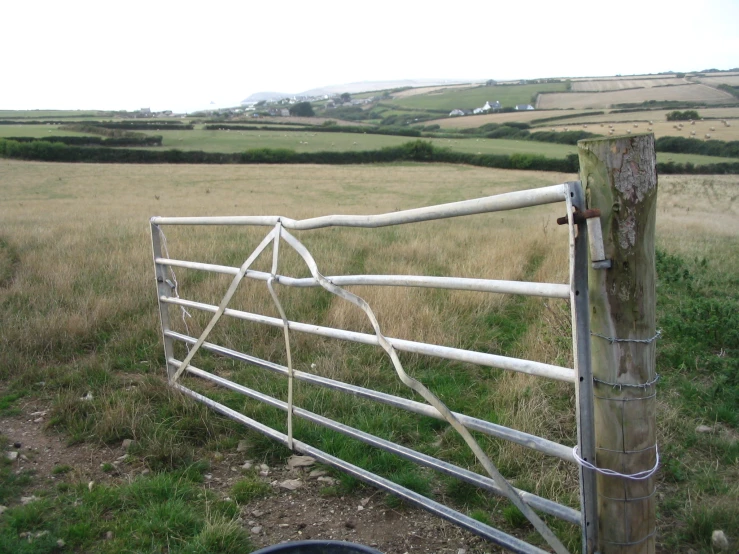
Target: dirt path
(306, 513)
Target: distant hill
(259, 96)
(356, 88)
(366, 86)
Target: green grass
(51, 114)
(168, 511)
(248, 489)
(469, 98)
(36, 131)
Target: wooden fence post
(620, 179)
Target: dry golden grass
(603, 85)
(715, 80)
(716, 130)
(599, 100)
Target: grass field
(639, 116)
(598, 100)
(602, 85)
(660, 128)
(467, 99)
(732, 80)
(51, 114)
(472, 121)
(78, 314)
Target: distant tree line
(682, 145)
(687, 115)
(155, 140)
(331, 128)
(419, 151)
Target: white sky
(162, 54)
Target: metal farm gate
(570, 195)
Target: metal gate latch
(595, 235)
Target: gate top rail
(496, 203)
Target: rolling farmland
(602, 85)
(507, 95)
(680, 93)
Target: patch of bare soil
(305, 513)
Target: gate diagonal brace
(427, 395)
(224, 303)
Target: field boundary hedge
(155, 140)
(395, 131)
(416, 151)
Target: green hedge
(96, 141)
(419, 151)
(396, 131)
(683, 145)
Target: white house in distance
(455, 113)
(522, 107)
(495, 106)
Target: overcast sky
(111, 54)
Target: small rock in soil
(256, 530)
(719, 540)
(242, 446)
(28, 499)
(109, 536)
(17, 445)
(12, 455)
(704, 429)
(291, 484)
(247, 465)
(328, 480)
(317, 473)
(126, 444)
(60, 543)
(3, 508)
(90, 485)
(264, 467)
(349, 524)
(300, 461)
(257, 513)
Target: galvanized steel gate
(570, 194)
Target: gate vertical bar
(584, 385)
(163, 289)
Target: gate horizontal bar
(499, 202)
(547, 506)
(480, 358)
(548, 290)
(534, 442)
(493, 535)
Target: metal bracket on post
(595, 236)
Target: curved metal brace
(427, 395)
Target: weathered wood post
(620, 179)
